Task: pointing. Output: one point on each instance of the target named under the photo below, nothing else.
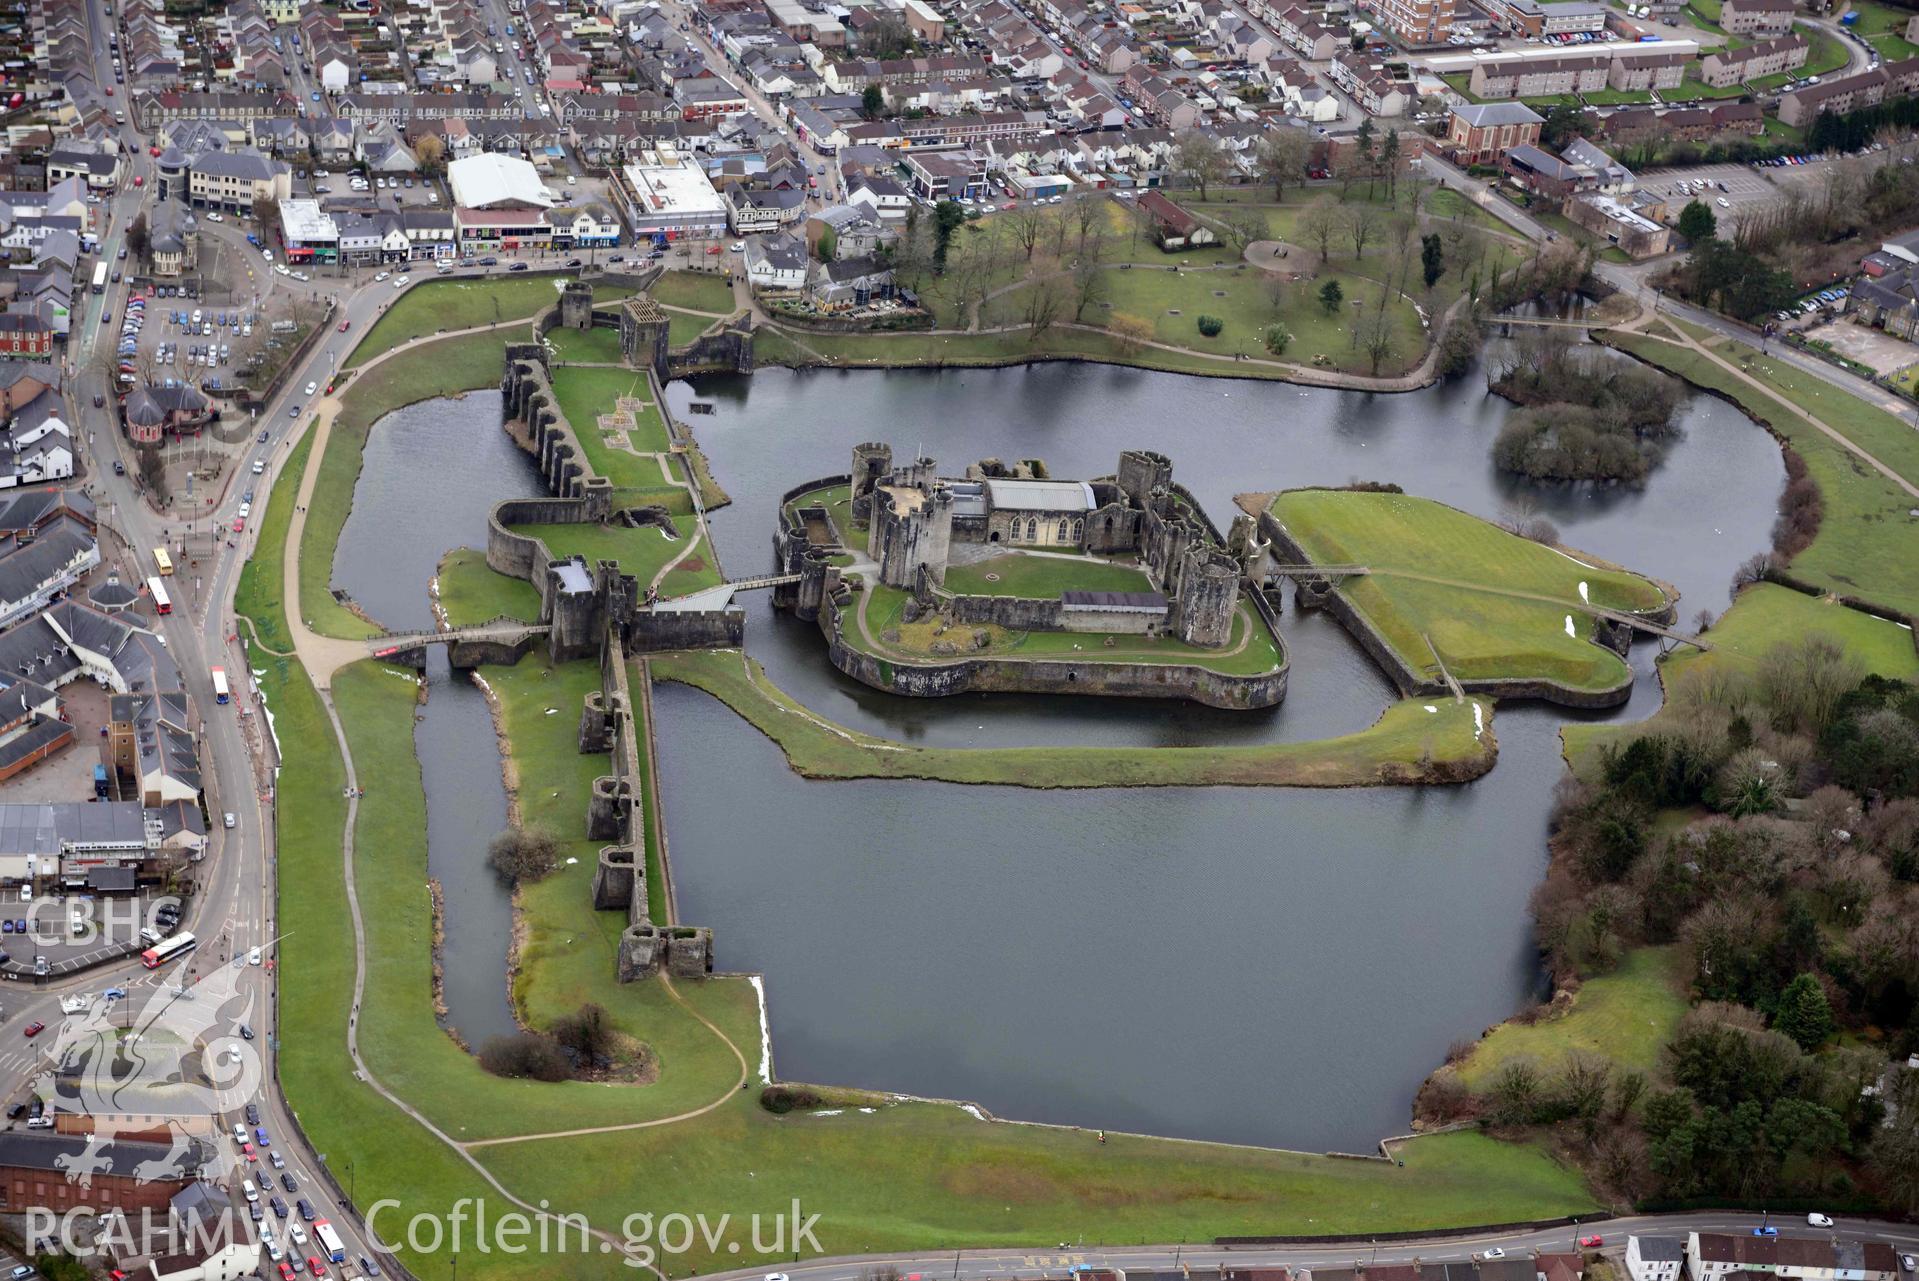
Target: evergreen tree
(1804, 1014)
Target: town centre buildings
(668, 193)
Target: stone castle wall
(1108, 678)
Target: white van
(247, 1190)
(149, 936)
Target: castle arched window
(1061, 535)
(1032, 529)
(1109, 524)
(1079, 530)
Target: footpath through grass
(1865, 540)
(641, 552)
(1447, 737)
(435, 306)
(1477, 598)
(445, 368)
(1626, 1017)
(914, 1176)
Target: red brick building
(1482, 133)
(30, 1177)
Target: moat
(1271, 967)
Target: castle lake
(1270, 967)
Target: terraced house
(1723, 68)
(1849, 93)
(151, 111)
(1756, 17)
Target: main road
(1203, 1258)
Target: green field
(1043, 576)
(1764, 616)
(586, 393)
(641, 552)
(922, 1175)
(1493, 605)
(472, 593)
(596, 346)
(1445, 732)
(1884, 28)
(258, 596)
(435, 306)
(1626, 1016)
(703, 291)
(1863, 547)
(444, 368)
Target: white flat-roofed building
(667, 191)
(308, 232)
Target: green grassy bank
(1864, 545)
(1390, 751)
(1447, 586)
(437, 306)
(445, 368)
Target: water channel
(432, 471)
(1273, 967)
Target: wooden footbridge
(1317, 571)
(721, 596)
(505, 631)
(1667, 636)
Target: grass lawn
(1764, 616)
(1693, 90)
(683, 326)
(838, 501)
(925, 1175)
(398, 1033)
(1456, 604)
(817, 748)
(641, 552)
(596, 346)
(472, 593)
(443, 368)
(259, 594)
(586, 393)
(436, 305)
(1828, 52)
(1616, 97)
(1626, 1017)
(1043, 576)
(704, 291)
(1883, 26)
(570, 948)
(1174, 300)
(1864, 544)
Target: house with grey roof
(777, 262)
(47, 561)
(38, 444)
